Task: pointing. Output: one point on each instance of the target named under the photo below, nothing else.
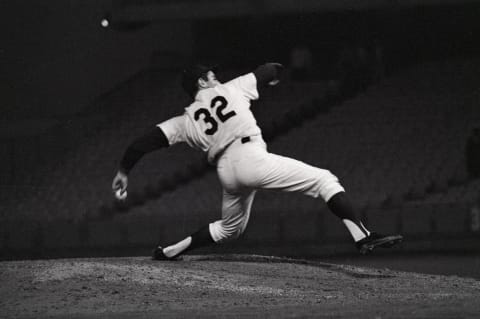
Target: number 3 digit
(208, 119)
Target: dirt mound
(226, 286)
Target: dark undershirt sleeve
(153, 140)
(266, 73)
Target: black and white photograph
(239, 159)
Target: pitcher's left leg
(287, 174)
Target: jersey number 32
(217, 105)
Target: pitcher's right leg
(235, 215)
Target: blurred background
(385, 94)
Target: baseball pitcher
(219, 122)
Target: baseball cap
(191, 75)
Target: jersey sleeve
(247, 84)
(174, 129)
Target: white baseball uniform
(221, 123)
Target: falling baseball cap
(191, 75)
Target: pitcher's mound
(226, 286)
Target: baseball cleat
(374, 240)
(157, 254)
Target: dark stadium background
(74, 94)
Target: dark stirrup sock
(201, 238)
(198, 239)
(341, 207)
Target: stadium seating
(398, 148)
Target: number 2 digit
(221, 107)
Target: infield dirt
(233, 286)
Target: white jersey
(217, 117)
(215, 123)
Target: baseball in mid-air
(119, 195)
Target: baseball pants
(245, 167)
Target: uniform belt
(245, 139)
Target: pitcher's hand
(120, 183)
